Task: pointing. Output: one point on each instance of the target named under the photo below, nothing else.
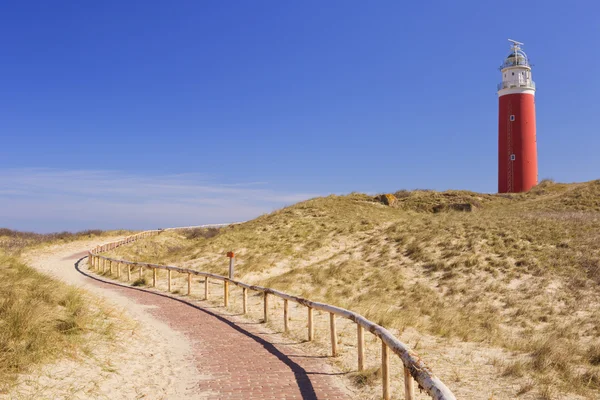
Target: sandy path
(147, 359)
(203, 351)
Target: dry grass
(41, 319)
(13, 242)
(521, 272)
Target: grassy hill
(520, 272)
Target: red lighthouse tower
(517, 152)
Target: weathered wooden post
(409, 385)
(231, 256)
(226, 293)
(90, 263)
(311, 326)
(360, 338)
(110, 266)
(168, 280)
(189, 284)
(141, 273)
(153, 277)
(333, 330)
(128, 272)
(385, 370)
(245, 300)
(266, 307)
(286, 318)
(118, 270)
(206, 288)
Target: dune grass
(14, 242)
(521, 272)
(41, 319)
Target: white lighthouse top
(516, 72)
(516, 57)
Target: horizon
(119, 116)
(233, 221)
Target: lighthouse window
(512, 117)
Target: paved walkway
(240, 359)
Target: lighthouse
(517, 149)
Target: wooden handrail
(413, 365)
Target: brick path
(243, 360)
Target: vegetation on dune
(520, 272)
(41, 319)
(13, 242)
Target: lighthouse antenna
(515, 43)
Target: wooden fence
(414, 368)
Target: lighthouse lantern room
(517, 152)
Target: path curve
(146, 358)
(240, 357)
(234, 358)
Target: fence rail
(414, 367)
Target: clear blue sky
(212, 111)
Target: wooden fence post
(189, 284)
(360, 336)
(118, 270)
(226, 293)
(311, 326)
(286, 318)
(266, 308)
(231, 256)
(128, 272)
(110, 266)
(153, 277)
(206, 288)
(141, 273)
(385, 370)
(409, 385)
(168, 280)
(245, 300)
(333, 330)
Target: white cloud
(51, 199)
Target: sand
(146, 359)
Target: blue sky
(145, 114)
